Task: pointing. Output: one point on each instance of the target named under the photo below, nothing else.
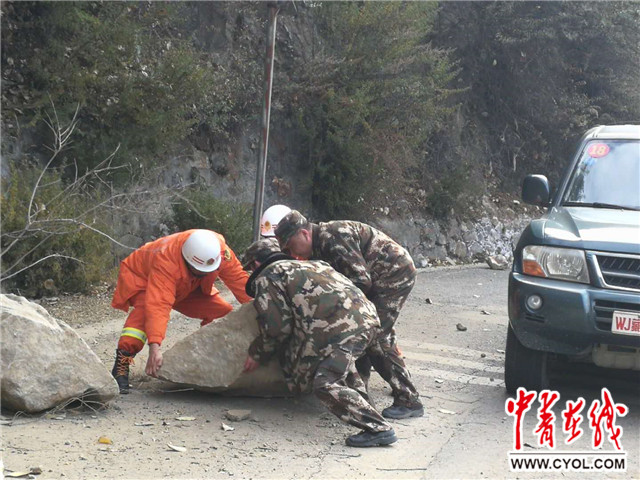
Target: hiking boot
(121, 369)
(398, 412)
(371, 439)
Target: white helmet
(270, 219)
(202, 250)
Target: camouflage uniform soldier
(318, 323)
(261, 248)
(384, 271)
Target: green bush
(452, 191)
(201, 209)
(55, 229)
(368, 101)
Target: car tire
(524, 367)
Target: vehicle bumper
(573, 318)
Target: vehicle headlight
(561, 263)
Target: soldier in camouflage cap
(290, 225)
(259, 251)
(384, 271)
(318, 323)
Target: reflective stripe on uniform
(135, 333)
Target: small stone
(497, 262)
(238, 415)
(483, 355)
(461, 327)
(428, 301)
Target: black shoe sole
(376, 442)
(409, 414)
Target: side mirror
(535, 190)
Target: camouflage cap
(290, 224)
(260, 250)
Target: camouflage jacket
(306, 310)
(367, 256)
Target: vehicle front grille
(620, 272)
(604, 312)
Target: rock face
(212, 358)
(44, 361)
(431, 241)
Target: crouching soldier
(384, 271)
(319, 324)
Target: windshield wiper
(600, 205)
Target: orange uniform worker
(174, 272)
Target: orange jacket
(159, 269)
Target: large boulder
(44, 361)
(212, 358)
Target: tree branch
(54, 255)
(17, 262)
(60, 140)
(89, 227)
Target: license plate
(626, 323)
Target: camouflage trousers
(383, 354)
(340, 388)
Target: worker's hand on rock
(250, 364)
(155, 360)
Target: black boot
(121, 369)
(371, 439)
(400, 411)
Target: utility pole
(266, 116)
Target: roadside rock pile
(212, 359)
(44, 362)
(436, 242)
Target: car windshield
(607, 176)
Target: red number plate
(626, 323)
